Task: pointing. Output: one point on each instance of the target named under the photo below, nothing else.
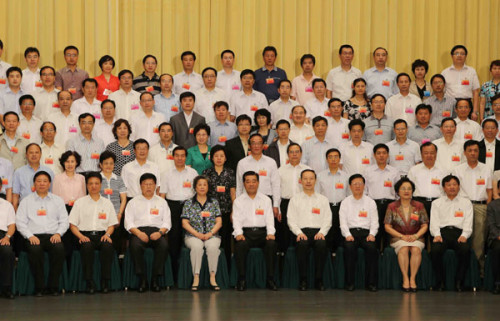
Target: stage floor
(284, 305)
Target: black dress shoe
(496, 289)
(349, 287)
(55, 292)
(303, 285)
(90, 289)
(155, 285)
(319, 285)
(372, 288)
(142, 285)
(241, 286)
(105, 286)
(271, 285)
(407, 290)
(458, 286)
(413, 290)
(8, 294)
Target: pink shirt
(69, 188)
(104, 85)
(302, 89)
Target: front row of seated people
(42, 219)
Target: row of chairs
(333, 278)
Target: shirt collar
(113, 176)
(274, 69)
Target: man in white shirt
(7, 257)
(339, 80)
(177, 185)
(31, 75)
(476, 185)
(92, 220)
(380, 79)
(162, 153)
(104, 127)
(88, 103)
(403, 104)
(316, 147)
(253, 225)
(359, 226)
(188, 79)
(29, 125)
(269, 181)
(338, 126)
(281, 108)
(126, 99)
(147, 218)
(310, 219)
(489, 147)
(228, 79)
(247, 101)
(462, 80)
(403, 153)
(357, 154)
(46, 95)
(450, 227)
(51, 152)
(318, 105)
(302, 88)
(467, 129)
(299, 130)
(64, 119)
(208, 95)
(3, 68)
(145, 122)
(450, 149)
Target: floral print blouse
(406, 225)
(201, 217)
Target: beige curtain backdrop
(130, 29)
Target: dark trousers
(495, 259)
(381, 238)
(159, 246)
(106, 252)
(450, 237)
(427, 205)
(226, 236)
(351, 255)
(283, 234)
(70, 242)
(56, 260)
(255, 237)
(302, 250)
(175, 234)
(334, 237)
(119, 237)
(6, 263)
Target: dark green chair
(130, 279)
(291, 276)
(77, 279)
(489, 278)
(255, 271)
(186, 274)
(25, 281)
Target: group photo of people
(378, 162)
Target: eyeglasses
(71, 55)
(47, 75)
(457, 54)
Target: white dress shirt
(31, 81)
(490, 154)
(205, 100)
(461, 83)
(402, 107)
(338, 131)
(67, 127)
(380, 182)
(3, 78)
(302, 88)
(50, 157)
(289, 179)
(314, 153)
(457, 212)
(300, 135)
(184, 82)
(306, 211)
(241, 103)
(30, 129)
(90, 215)
(281, 110)
(467, 130)
(269, 179)
(141, 212)
(404, 156)
(356, 158)
(427, 181)
(334, 186)
(131, 175)
(104, 131)
(474, 181)
(360, 213)
(7, 215)
(315, 108)
(147, 127)
(228, 82)
(178, 186)
(46, 103)
(339, 82)
(126, 103)
(256, 212)
(81, 106)
(449, 155)
(162, 156)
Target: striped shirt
(112, 188)
(90, 150)
(143, 83)
(123, 155)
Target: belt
(359, 229)
(478, 202)
(93, 233)
(428, 199)
(451, 228)
(337, 204)
(253, 228)
(384, 200)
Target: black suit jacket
(493, 220)
(273, 151)
(182, 136)
(234, 152)
(482, 153)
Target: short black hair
(282, 122)
(469, 143)
(333, 150)
(307, 56)
(187, 94)
(10, 113)
(188, 53)
(448, 119)
(64, 91)
(199, 127)
(317, 119)
(426, 144)
(71, 47)
(270, 48)
(105, 101)
(89, 80)
(425, 107)
(32, 144)
(300, 106)
(438, 76)
(308, 170)
(207, 69)
(118, 123)
(26, 97)
(345, 46)
(14, 69)
(250, 173)
(221, 103)
(262, 112)
(105, 155)
(495, 97)
(489, 120)
(379, 146)
(165, 124)
(177, 148)
(403, 180)
(215, 149)
(353, 177)
(93, 175)
(255, 135)
(149, 56)
(85, 115)
(402, 74)
(226, 51)
(48, 123)
(140, 141)
(400, 121)
(47, 67)
(64, 157)
(317, 80)
(468, 100)
(1, 44)
(284, 80)
(125, 71)
(247, 72)
(199, 178)
(495, 63)
(31, 50)
(147, 176)
(164, 75)
(386, 52)
(419, 63)
(291, 145)
(106, 58)
(378, 95)
(334, 99)
(243, 117)
(40, 173)
(146, 93)
(459, 47)
(355, 122)
(448, 178)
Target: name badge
(459, 213)
(468, 136)
(191, 130)
(108, 191)
(309, 89)
(186, 184)
(379, 132)
(365, 161)
(254, 108)
(414, 217)
(170, 157)
(435, 181)
(38, 84)
(235, 87)
(465, 82)
(97, 116)
(101, 216)
(32, 188)
(72, 90)
(446, 113)
(480, 181)
(154, 211)
(174, 108)
(221, 189)
(155, 130)
(427, 93)
(186, 86)
(5, 181)
(400, 157)
(363, 110)
(307, 138)
(125, 152)
(106, 92)
(363, 214)
(205, 214)
(56, 105)
(3, 81)
(345, 136)
(259, 211)
(49, 161)
(71, 202)
(26, 135)
(222, 139)
(315, 210)
(425, 140)
(327, 114)
(94, 156)
(409, 110)
(150, 88)
(339, 186)
(14, 149)
(41, 212)
(262, 172)
(134, 107)
(72, 129)
(489, 154)
(455, 158)
(386, 83)
(387, 184)
(269, 81)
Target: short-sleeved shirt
(381, 82)
(105, 88)
(124, 155)
(488, 90)
(71, 81)
(187, 82)
(354, 111)
(167, 106)
(112, 188)
(143, 83)
(9, 100)
(220, 187)
(302, 88)
(339, 82)
(201, 217)
(461, 83)
(406, 225)
(443, 108)
(267, 82)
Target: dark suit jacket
(493, 220)
(482, 153)
(273, 151)
(234, 152)
(182, 136)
